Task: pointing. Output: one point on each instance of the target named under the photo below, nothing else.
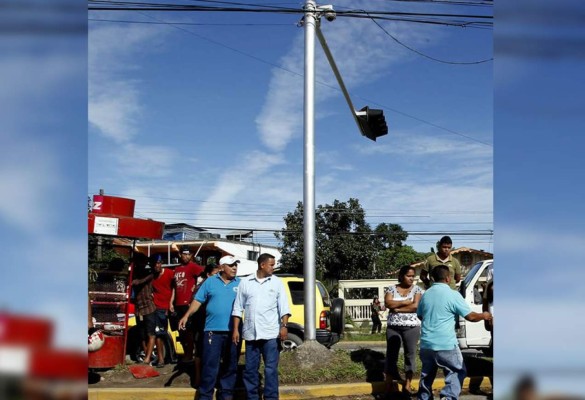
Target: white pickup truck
(473, 335)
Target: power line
(441, 212)
(101, 5)
(186, 23)
(425, 55)
(487, 232)
(485, 3)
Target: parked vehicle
(473, 335)
(330, 314)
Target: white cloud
(114, 95)
(333, 160)
(115, 109)
(26, 192)
(525, 332)
(420, 144)
(152, 161)
(233, 183)
(116, 99)
(530, 239)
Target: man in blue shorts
(438, 308)
(218, 293)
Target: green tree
(390, 260)
(346, 246)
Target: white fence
(359, 308)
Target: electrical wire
(425, 55)
(187, 23)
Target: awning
(232, 248)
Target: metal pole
(337, 74)
(309, 176)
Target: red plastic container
(110, 355)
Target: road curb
(286, 392)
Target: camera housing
(328, 12)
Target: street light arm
(336, 72)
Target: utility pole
(310, 22)
(371, 124)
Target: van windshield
(471, 274)
(469, 277)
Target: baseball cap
(185, 250)
(229, 260)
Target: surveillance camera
(328, 12)
(330, 16)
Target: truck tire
(292, 342)
(170, 352)
(338, 316)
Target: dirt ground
(171, 375)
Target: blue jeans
(453, 368)
(269, 351)
(218, 348)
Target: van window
(297, 293)
(471, 274)
(324, 295)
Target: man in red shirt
(185, 281)
(164, 293)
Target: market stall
(109, 287)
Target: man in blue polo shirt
(437, 309)
(218, 293)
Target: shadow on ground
(373, 362)
(180, 369)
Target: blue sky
(539, 194)
(537, 119)
(43, 169)
(204, 124)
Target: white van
(473, 335)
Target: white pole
(309, 175)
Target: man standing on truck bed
(186, 275)
(437, 310)
(442, 257)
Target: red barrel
(110, 205)
(110, 355)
